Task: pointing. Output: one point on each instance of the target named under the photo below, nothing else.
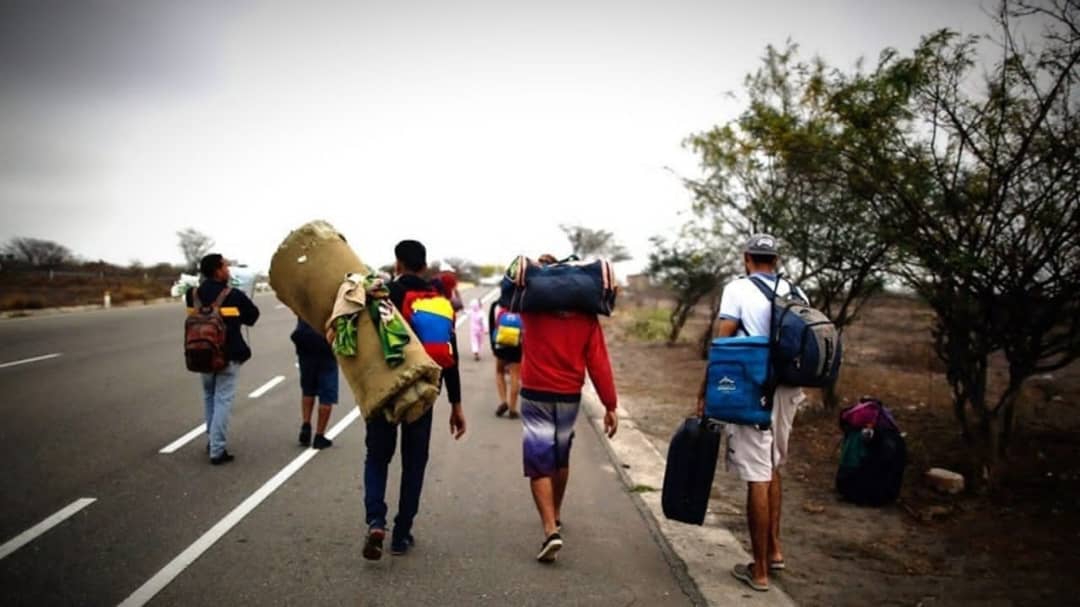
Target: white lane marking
(29, 360)
(30, 534)
(344, 423)
(279, 307)
(163, 578)
(263, 389)
(185, 439)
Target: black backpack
(806, 344)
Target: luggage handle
(710, 424)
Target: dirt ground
(1016, 545)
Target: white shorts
(753, 454)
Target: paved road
(90, 424)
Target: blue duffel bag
(588, 287)
(737, 378)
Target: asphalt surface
(90, 424)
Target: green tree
(779, 168)
(489, 269)
(465, 269)
(588, 243)
(194, 245)
(693, 264)
(37, 252)
(978, 186)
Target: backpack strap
(795, 290)
(221, 298)
(770, 294)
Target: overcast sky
(476, 127)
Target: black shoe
(501, 409)
(305, 434)
(550, 548)
(373, 543)
(514, 415)
(224, 458)
(401, 545)
(321, 442)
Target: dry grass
(20, 291)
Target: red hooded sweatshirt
(556, 351)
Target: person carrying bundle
(431, 316)
(562, 345)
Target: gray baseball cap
(762, 244)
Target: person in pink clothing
(478, 328)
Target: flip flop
(777, 566)
(744, 573)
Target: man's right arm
(727, 326)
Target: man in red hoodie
(559, 349)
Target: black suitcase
(691, 465)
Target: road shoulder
(704, 555)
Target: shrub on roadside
(649, 324)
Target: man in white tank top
(756, 455)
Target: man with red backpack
(431, 316)
(217, 355)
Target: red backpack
(431, 316)
(204, 335)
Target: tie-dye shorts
(547, 432)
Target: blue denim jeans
(219, 391)
(381, 440)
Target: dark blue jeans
(381, 440)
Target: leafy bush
(649, 324)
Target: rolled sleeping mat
(306, 273)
